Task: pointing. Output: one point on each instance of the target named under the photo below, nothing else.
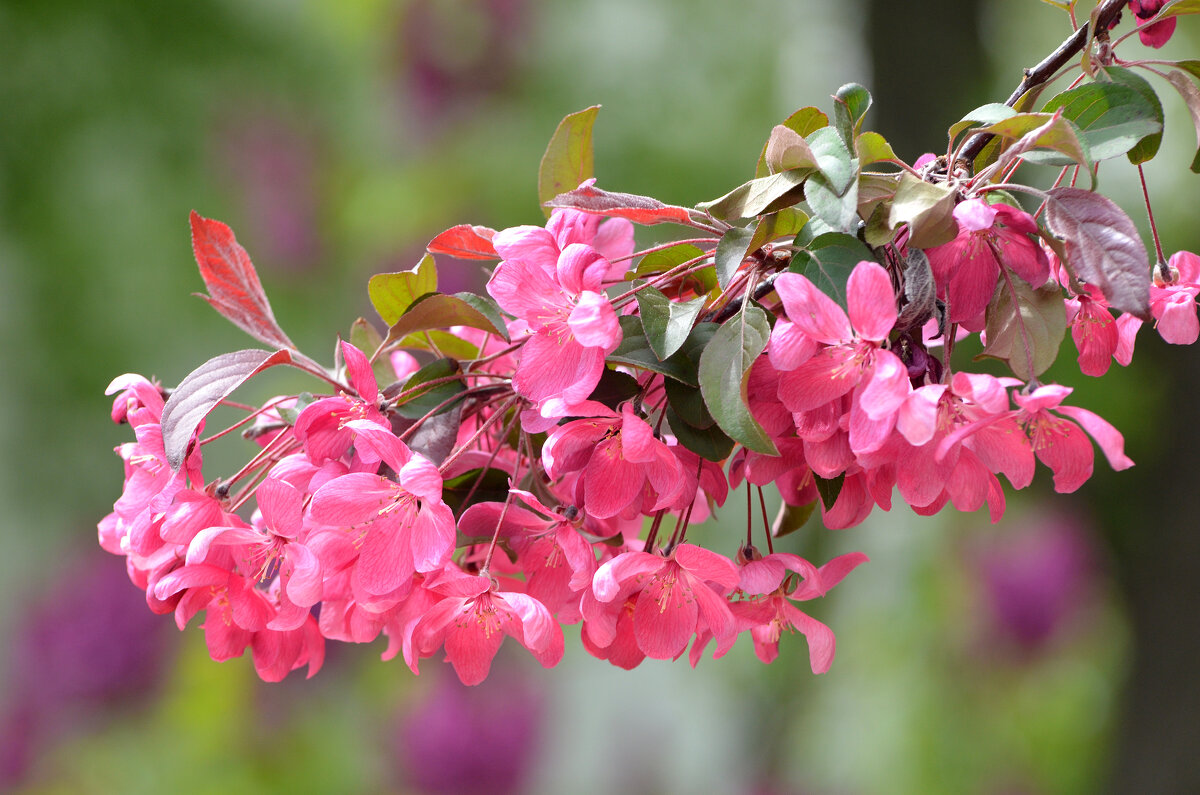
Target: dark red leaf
(205, 387)
(1103, 247)
(465, 242)
(639, 209)
(233, 286)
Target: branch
(1106, 14)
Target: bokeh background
(1053, 653)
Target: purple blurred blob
(272, 162)
(464, 740)
(453, 54)
(1037, 579)
(87, 643)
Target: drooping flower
(990, 237)
(1155, 35)
(473, 618)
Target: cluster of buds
(508, 464)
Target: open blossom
(473, 618)
(400, 526)
(672, 599)
(321, 426)
(990, 237)
(624, 467)
(553, 280)
(854, 358)
(769, 587)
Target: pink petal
(813, 312)
(871, 301)
(974, 215)
(789, 347)
(828, 375)
(1111, 442)
(1063, 446)
(532, 244)
(594, 322)
(762, 576)
(821, 642)
(304, 580)
(887, 386)
(664, 619)
(282, 507)
(612, 576)
(581, 268)
(707, 566)
(472, 643)
(358, 369)
(610, 482)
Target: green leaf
(708, 443)
(784, 223)
(662, 261)
(493, 487)
(568, 160)
(827, 261)
(667, 323)
(442, 311)
(851, 103)
(1180, 8)
(635, 351)
(928, 210)
(725, 373)
(422, 401)
(839, 211)
(871, 147)
(804, 122)
(829, 489)
(731, 251)
(791, 518)
(755, 196)
(614, 388)
(1025, 326)
(1111, 118)
(1028, 131)
(984, 114)
(1146, 148)
(392, 293)
(834, 160)
(688, 404)
(444, 344)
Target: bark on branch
(1108, 12)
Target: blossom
(1155, 35)
(854, 358)
(401, 526)
(473, 618)
(676, 597)
(553, 280)
(990, 237)
(321, 426)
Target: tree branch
(1108, 12)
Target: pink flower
(400, 526)
(321, 427)
(1096, 334)
(1060, 443)
(473, 618)
(1173, 303)
(854, 357)
(553, 280)
(1155, 35)
(768, 610)
(624, 468)
(676, 597)
(278, 541)
(990, 236)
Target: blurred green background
(1053, 653)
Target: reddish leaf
(202, 389)
(465, 242)
(1103, 247)
(233, 286)
(639, 209)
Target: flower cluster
(510, 464)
